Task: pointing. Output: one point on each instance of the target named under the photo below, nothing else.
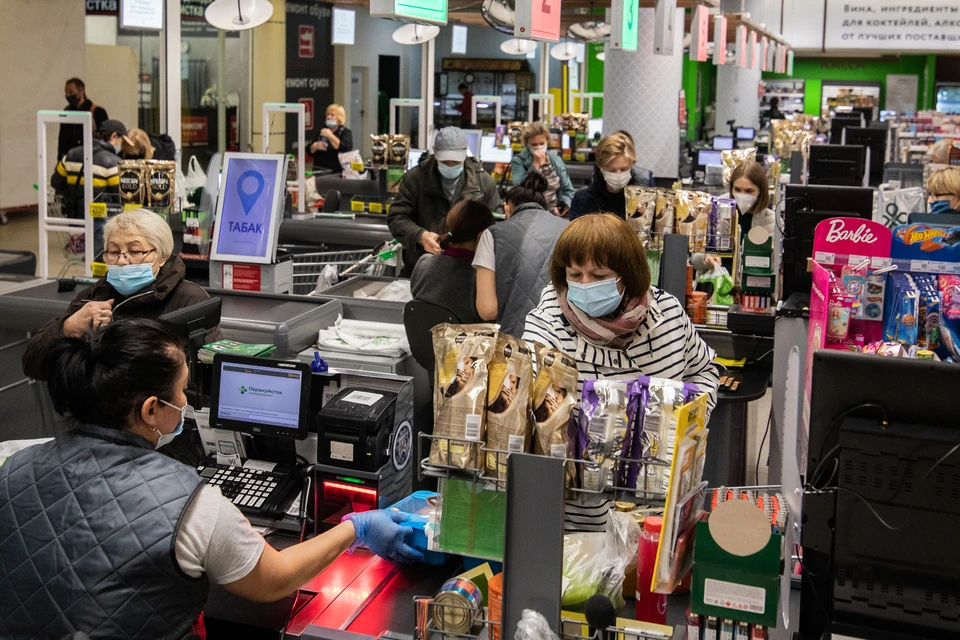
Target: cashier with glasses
(144, 280)
(130, 540)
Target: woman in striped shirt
(601, 310)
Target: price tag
(881, 263)
(938, 267)
(953, 268)
(127, 206)
(376, 207)
(919, 265)
(853, 261)
(98, 209)
(356, 205)
(98, 269)
(825, 258)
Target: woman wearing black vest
(513, 257)
(104, 535)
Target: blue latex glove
(380, 531)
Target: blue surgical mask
(333, 124)
(130, 278)
(940, 206)
(596, 299)
(167, 438)
(450, 173)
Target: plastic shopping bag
(594, 563)
(895, 204)
(722, 285)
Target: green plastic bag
(722, 285)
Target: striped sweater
(665, 346)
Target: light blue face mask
(940, 206)
(596, 299)
(130, 278)
(167, 438)
(450, 173)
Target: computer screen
(260, 396)
(746, 133)
(594, 126)
(723, 143)
(708, 156)
(886, 115)
(490, 153)
(413, 158)
(473, 141)
(250, 207)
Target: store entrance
(388, 87)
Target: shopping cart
(73, 245)
(309, 267)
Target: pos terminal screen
(267, 398)
(249, 208)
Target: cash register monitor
(723, 143)
(489, 153)
(708, 156)
(882, 509)
(413, 158)
(746, 133)
(834, 164)
(804, 208)
(260, 396)
(473, 141)
(250, 208)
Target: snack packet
(162, 175)
(641, 207)
(693, 217)
(463, 354)
(721, 224)
(379, 150)
(665, 214)
(399, 150)
(508, 403)
(554, 397)
(654, 434)
(950, 297)
(730, 158)
(133, 182)
(607, 411)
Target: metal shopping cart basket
(308, 267)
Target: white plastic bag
(195, 178)
(534, 626)
(894, 204)
(594, 563)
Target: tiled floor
(21, 233)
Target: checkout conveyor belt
(290, 323)
(363, 231)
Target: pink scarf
(610, 331)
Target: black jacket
(71, 135)
(329, 158)
(594, 198)
(421, 205)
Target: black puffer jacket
(594, 198)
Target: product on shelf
(641, 207)
(463, 354)
(399, 150)
(162, 176)
(508, 403)
(730, 158)
(606, 411)
(554, 397)
(379, 150)
(133, 182)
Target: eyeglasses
(133, 257)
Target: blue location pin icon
(249, 197)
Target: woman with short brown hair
(601, 310)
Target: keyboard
(263, 494)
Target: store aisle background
(21, 235)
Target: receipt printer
(354, 429)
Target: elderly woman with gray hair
(144, 280)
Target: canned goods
(458, 606)
(924, 354)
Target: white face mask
(745, 201)
(538, 148)
(332, 124)
(616, 181)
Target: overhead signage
(664, 23)
(742, 46)
(424, 11)
(700, 33)
(918, 25)
(142, 14)
(624, 18)
(719, 40)
(537, 20)
(344, 26)
(459, 44)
